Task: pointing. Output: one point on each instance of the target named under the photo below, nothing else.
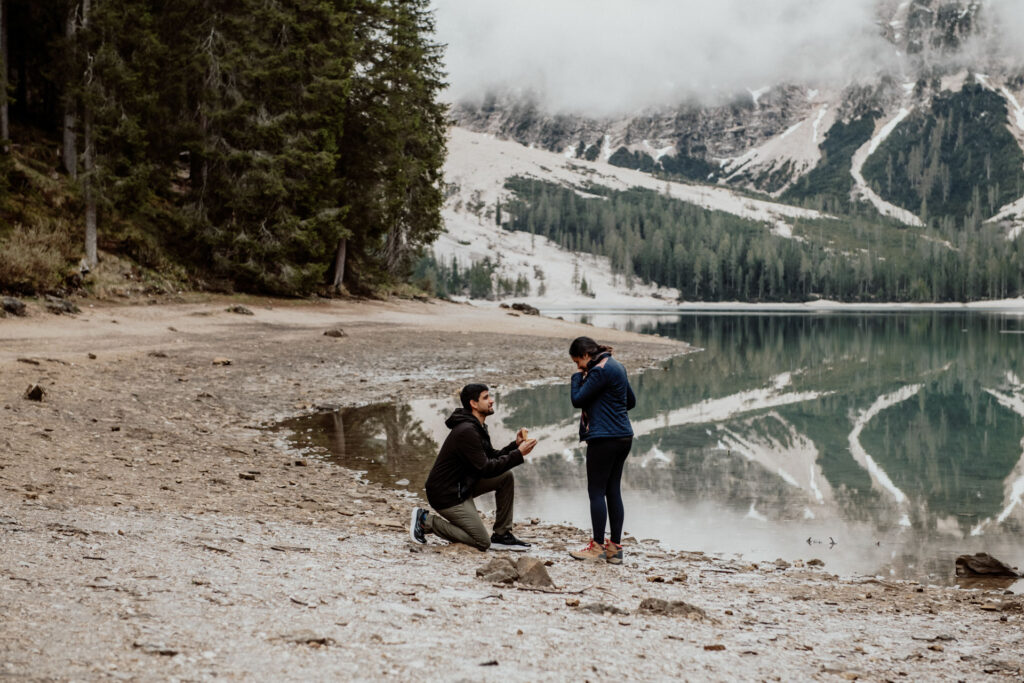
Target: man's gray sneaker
(507, 541)
(417, 532)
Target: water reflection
(898, 436)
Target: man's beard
(489, 411)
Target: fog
(604, 55)
(612, 56)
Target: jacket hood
(459, 416)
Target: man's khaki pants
(462, 524)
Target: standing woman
(601, 388)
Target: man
(466, 467)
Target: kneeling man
(467, 467)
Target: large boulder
(533, 573)
(13, 306)
(498, 570)
(983, 564)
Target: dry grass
(36, 258)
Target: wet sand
(153, 528)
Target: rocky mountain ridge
(767, 139)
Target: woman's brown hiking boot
(593, 551)
(612, 553)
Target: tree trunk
(70, 144)
(339, 264)
(393, 249)
(5, 121)
(89, 163)
(91, 257)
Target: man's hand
(527, 445)
(521, 435)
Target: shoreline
(152, 529)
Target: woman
(601, 388)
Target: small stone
(715, 647)
(221, 361)
(656, 579)
(155, 649)
(91, 356)
(572, 602)
(815, 563)
(157, 354)
(675, 608)
(336, 332)
(936, 648)
(782, 564)
(247, 476)
(240, 310)
(35, 393)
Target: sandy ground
(151, 528)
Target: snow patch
(861, 456)
(861, 185)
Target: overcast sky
(601, 56)
(625, 54)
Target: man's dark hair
(471, 392)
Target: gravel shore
(153, 528)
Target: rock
(782, 564)
(675, 608)
(337, 333)
(572, 602)
(221, 361)
(815, 563)
(983, 564)
(61, 306)
(154, 649)
(247, 476)
(13, 306)
(715, 647)
(306, 637)
(240, 310)
(525, 308)
(498, 570)
(533, 573)
(157, 354)
(35, 393)
(602, 608)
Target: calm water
(880, 443)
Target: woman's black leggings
(605, 459)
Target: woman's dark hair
(471, 392)
(585, 346)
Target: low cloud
(604, 56)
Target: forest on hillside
(714, 256)
(277, 146)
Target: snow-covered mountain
(936, 140)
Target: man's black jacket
(466, 457)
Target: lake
(882, 443)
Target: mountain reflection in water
(881, 443)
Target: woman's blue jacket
(604, 395)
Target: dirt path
(152, 529)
